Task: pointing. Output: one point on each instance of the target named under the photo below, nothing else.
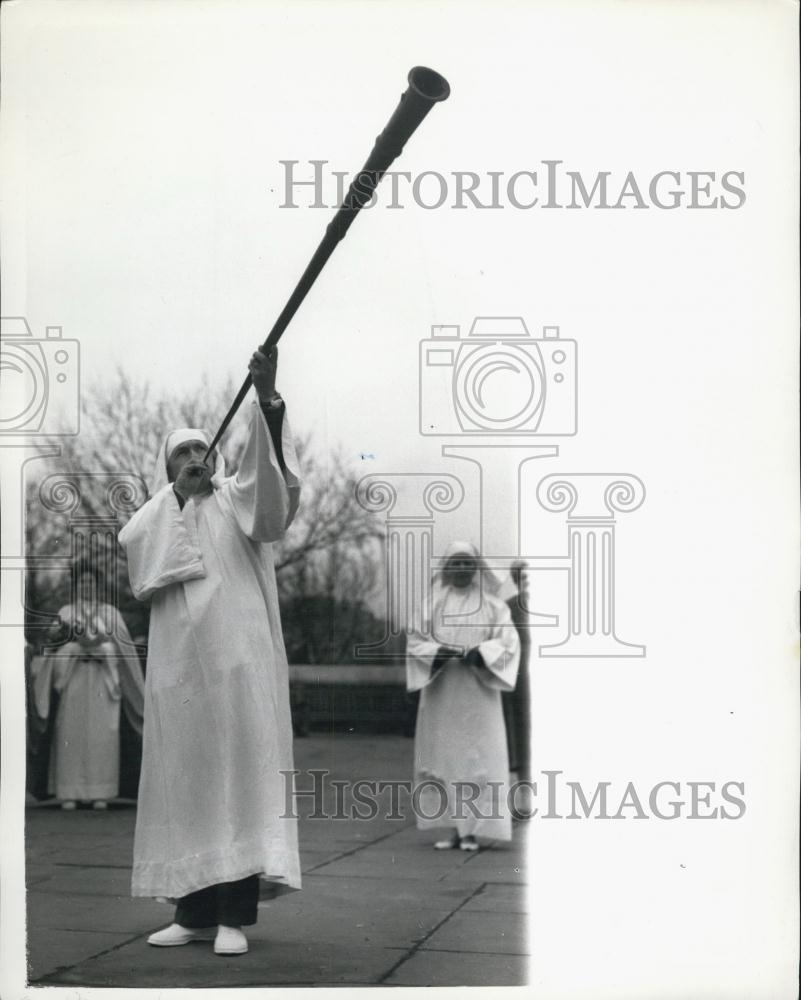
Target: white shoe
(69, 805)
(468, 843)
(447, 845)
(100, 805)
(175, 934)
(230, 941)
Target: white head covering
(488, 578)
(160, 479)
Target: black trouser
(233, 904)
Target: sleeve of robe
(424, 657)
(42, 669)
(161, 544)
(263, 497)
(500, 651)
(51, 671)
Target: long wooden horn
(425, 89)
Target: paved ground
(378, 905)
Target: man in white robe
(211, 832)
(461, 661)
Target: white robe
(93, 679)
(460, 734)
(217, 728)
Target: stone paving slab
(88, 913)
(499, 899)
(335, 835)
(48, 951)
(316, 834)
(405, 835)
(367, 922)
(426, 968)
(118, 855)
(375, 870)
(33, 878)
(314, 859)
(378, 905)
(87, 881)
(300, 963)
(329, 891)
(414, 864)
(502, 865)
(492, 933)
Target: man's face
(191, 451)
(460, 570)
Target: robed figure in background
(92, 684)
(211, 833)
(461, 661)
(517, 703)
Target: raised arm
(265, 492)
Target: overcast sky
(143, 198)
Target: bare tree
(330, 514)
(329, 565)
(126, 422)
(329, 602)
(330, 546)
